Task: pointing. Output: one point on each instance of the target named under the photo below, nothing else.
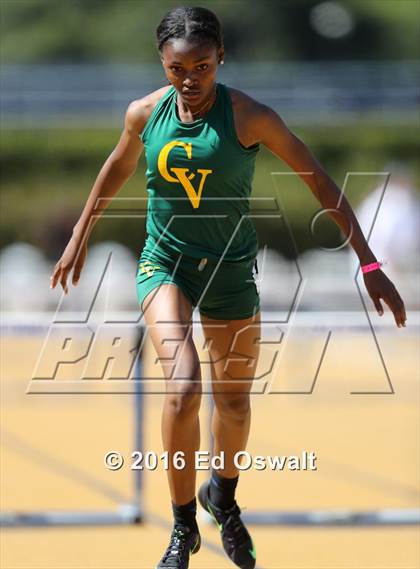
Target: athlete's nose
(190, 82)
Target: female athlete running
(201, 139)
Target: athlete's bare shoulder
(139, 110)
(243, 103)
(246, 112)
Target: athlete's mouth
(191, 94)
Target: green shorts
(227, 292)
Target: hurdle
(133, 512)
(335, 518)
(126, 513)
(344, 517)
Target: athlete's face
(191, 68)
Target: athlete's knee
(185, 401)
(233, 406)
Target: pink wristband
(371, 267)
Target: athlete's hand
(379, 286)
(74, 257)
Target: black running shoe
(235, 537)
(183, 542)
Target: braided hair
(190, 23)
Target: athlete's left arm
(271, 131)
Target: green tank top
(199, 179)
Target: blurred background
(344, 76)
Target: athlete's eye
(203, 67)
(175, 68)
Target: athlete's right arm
(118, 168)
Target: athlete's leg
(167, 314)
(234, 349)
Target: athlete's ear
(221, 55)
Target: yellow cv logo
(148, 268)
(181, 176)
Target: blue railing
(310, 92)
